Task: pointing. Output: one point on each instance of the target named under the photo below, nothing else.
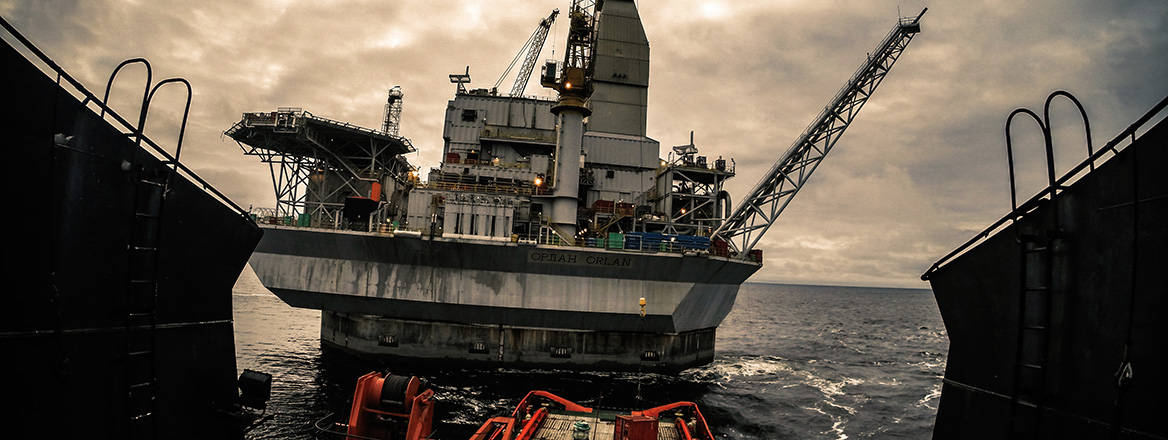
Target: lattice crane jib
(581, 36)
(761, 207)
(530, 54)
(573, 77)
(533, 51)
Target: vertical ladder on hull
(1036, 279)
(1037, 243)
(142, 305)
(142, 249)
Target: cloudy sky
(920, 171)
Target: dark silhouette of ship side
(1055, 313)
(118, 318)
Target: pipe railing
(104, 108)
(1073, 174)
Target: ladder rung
(145, 215)
(1037, 249)
(142, 281)
(1034, 366)
(140, 352)
(141, 385)
(1034, 327)
(144, 415)
(144, 248)
(141, 314)
(1038, 289)
(151, 182)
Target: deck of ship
(559, 426)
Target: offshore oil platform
(551, 234)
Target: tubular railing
(1054, 185)
(484, 188)
(103, 109)
(543, 236)
(186, 112)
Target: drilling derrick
(393, 108)
(759, 209)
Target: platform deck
(559, 427)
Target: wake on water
(793, 362)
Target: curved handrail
(1010, 151)
(186, 112)
(90, 97)
(1082, 112)
(1108, 147)
(145, 91)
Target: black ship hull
(1056, 322)
(80, 329)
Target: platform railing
(1071, 176)
(523, 190)
(102, 109)
(543, 236)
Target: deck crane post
(758, 211)
(530, 53)
(574, 84)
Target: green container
(287, 220)
(305, 219)
(616, 240)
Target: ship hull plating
(65, 327)
(1098, 375)
(437, 299)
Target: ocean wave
(934, 395)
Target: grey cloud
(921, 170)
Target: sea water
(793, 362)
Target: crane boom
(530, 54)
(759, 210)
(536, 46)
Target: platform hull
(437, 298)
(1107, 308)
(445, 343)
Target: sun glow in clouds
(391, 39)
(713, 10)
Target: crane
(531, 48)
(758, 211)
(574, 84)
